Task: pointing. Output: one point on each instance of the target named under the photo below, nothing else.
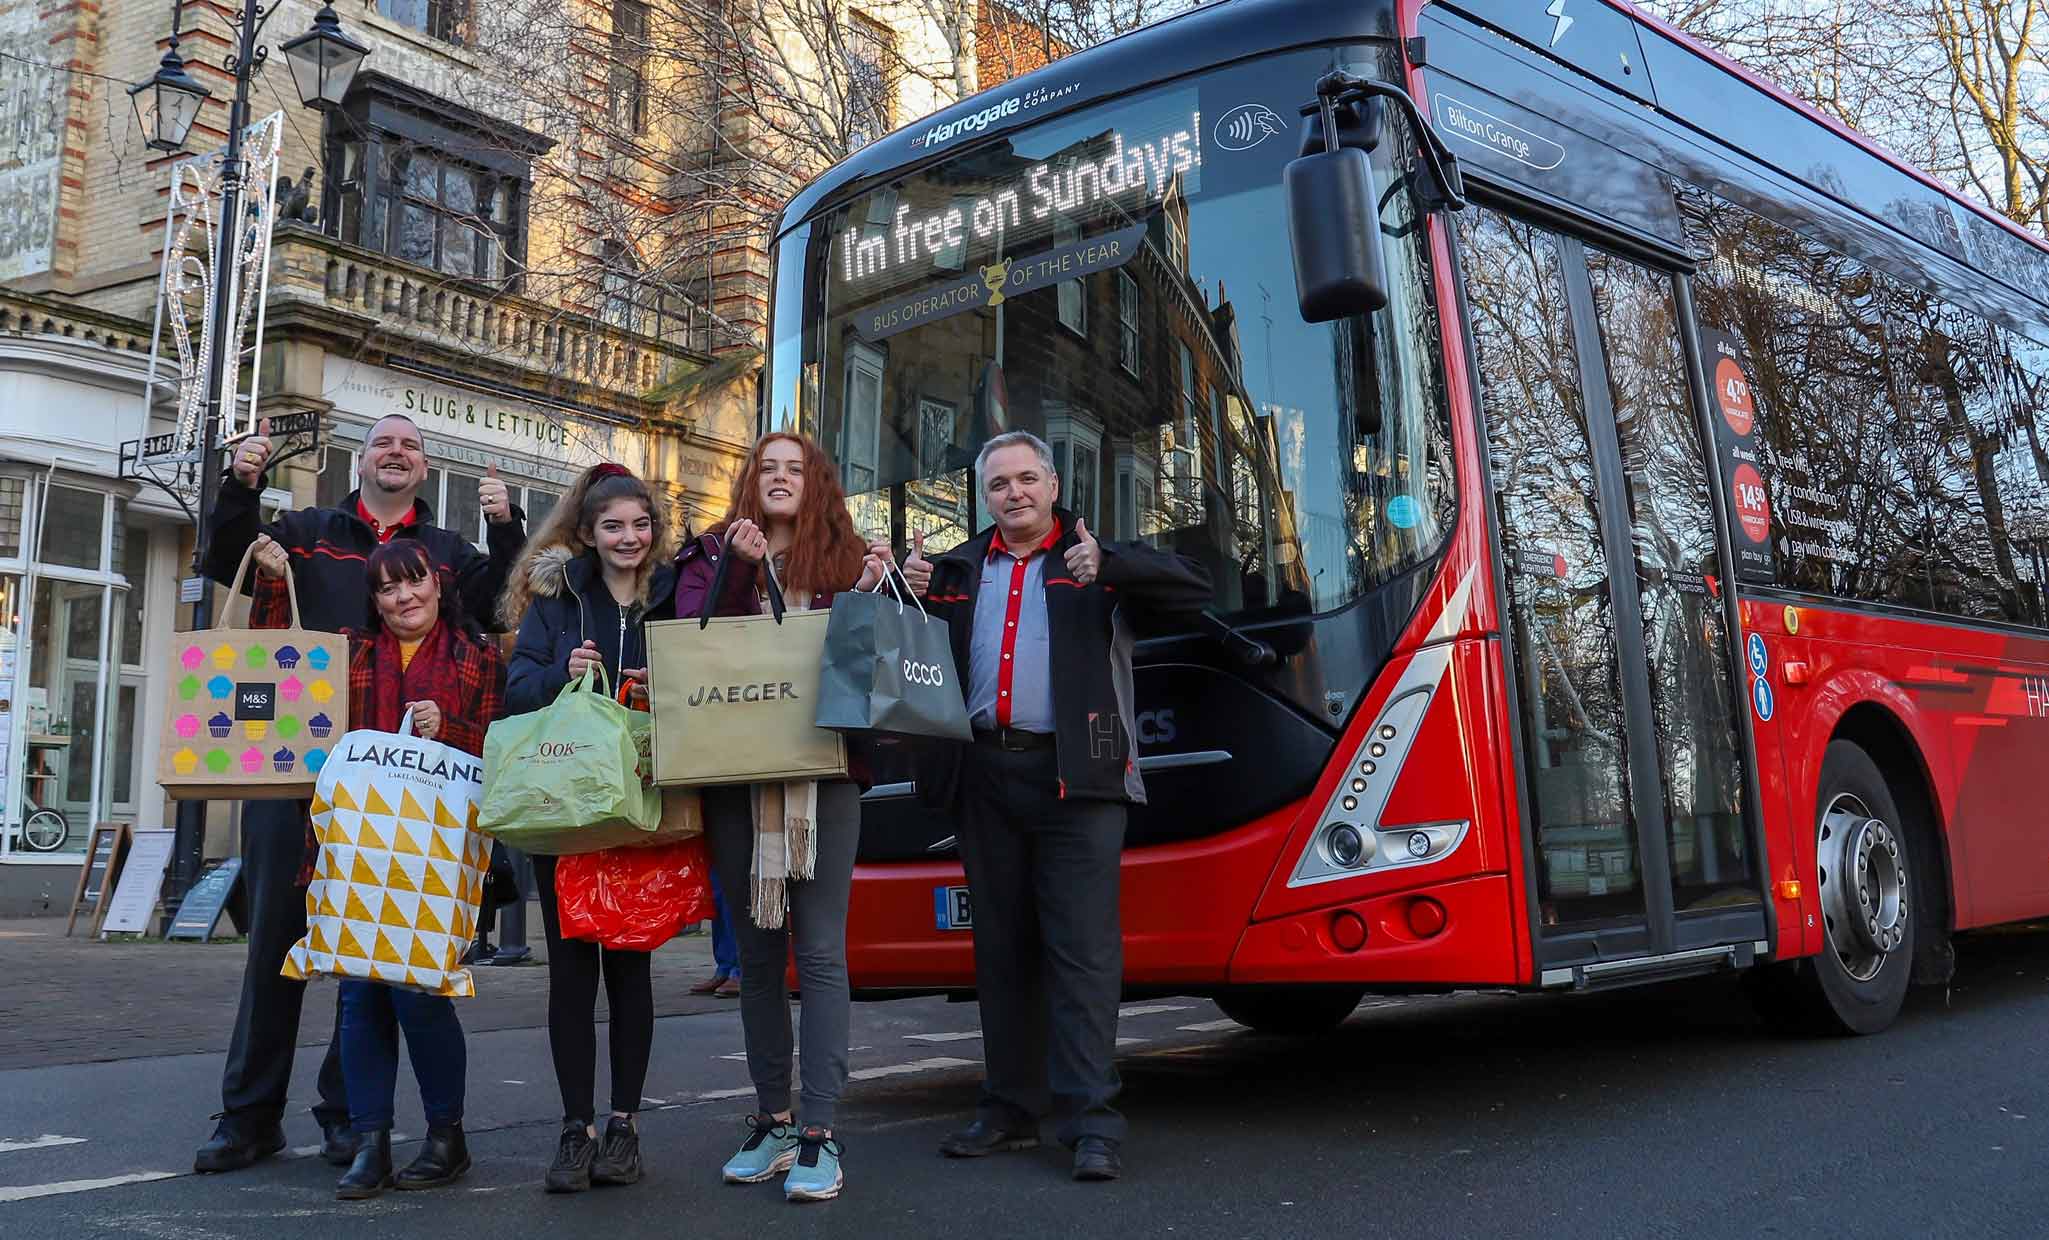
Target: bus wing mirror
(1334, 230)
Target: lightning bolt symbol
(1557, 10)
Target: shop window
(73, 527)
(337, 478)
(134, 600)
(446, 20)
(539, 504)
(461, 512)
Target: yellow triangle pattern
(392, 917)
(318, 808)
(432, 885)
(367, 837)
(375, 804)
(405, 842)
(409, 807)
(354, 910)
(363, 874)
(386, 952)
(396, 879)
(422, 959)
(442, 818)
(342, 799)
(426, 922)
(437, 848)
(348, 946)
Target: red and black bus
(1625, 488)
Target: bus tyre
(1292, 1009)
(1869, 907)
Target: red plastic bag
(634, 898)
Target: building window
(446, 20)
(1074, 306)
(868, 53)
(428, 181)
(619, 287)
(1127, 322)
(628, 84)
(1077, 443)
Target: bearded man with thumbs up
(1040, 614)
(327, 549)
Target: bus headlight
(1347, 845)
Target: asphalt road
(1662, 1112)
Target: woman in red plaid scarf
(423, 662)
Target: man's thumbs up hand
(1085, 557)
(494, 497)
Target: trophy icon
(993, 277)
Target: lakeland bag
(635, 899)
(252, 712)
(889, 669)
(569, 777)
(402, 866)
(735, 697)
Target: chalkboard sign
(201, 910)
(104, 852)
(137, 894)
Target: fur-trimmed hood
(547, 574)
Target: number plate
(951, 909)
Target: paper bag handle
(776, 606)
(247, 601)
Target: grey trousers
(1049, 946)
(818, 920)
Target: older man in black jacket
(328, 548)
(1039, 613)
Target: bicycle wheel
(45, 831)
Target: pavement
(1664, 1111)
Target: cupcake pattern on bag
(319, 725)
(283, 761)
(219, 726)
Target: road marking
(718, 1094)
(904, 1069)
(28, 1192)
(660, 1102)
(44, 1142)
(1210, 1026)
(512, 1082)
(1131, 1041)
(965, 1036)
(1151, 1009)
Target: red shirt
(384, 532)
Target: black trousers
(259, 1070)
(574, 967)
(1049, 945)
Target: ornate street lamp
(169, 102)
(324, 61)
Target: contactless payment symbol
(1755, 649)
(1761, 698)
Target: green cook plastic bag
(570, 777)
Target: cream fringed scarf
(785, 830)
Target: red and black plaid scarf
(432, 676)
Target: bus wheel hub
(1863, 875)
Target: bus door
(1639, 841)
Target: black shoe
(442, 1160)
(985, 1137)
(571, 1171)
(618, 1160)
(338, 1142)
(1095, 1158)
(370, 1174)
(227, 1150)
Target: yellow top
(405, 653)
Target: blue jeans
(725, 948)
(371, 1016)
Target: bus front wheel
(1292, 1009)
(1865, 880)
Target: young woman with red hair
(788, 512)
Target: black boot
(370, 1174)
(229, 1150)
(337, 1142)
(442, 1161)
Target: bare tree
(1958, 87)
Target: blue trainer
(816, 1177)
(770, 1147)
